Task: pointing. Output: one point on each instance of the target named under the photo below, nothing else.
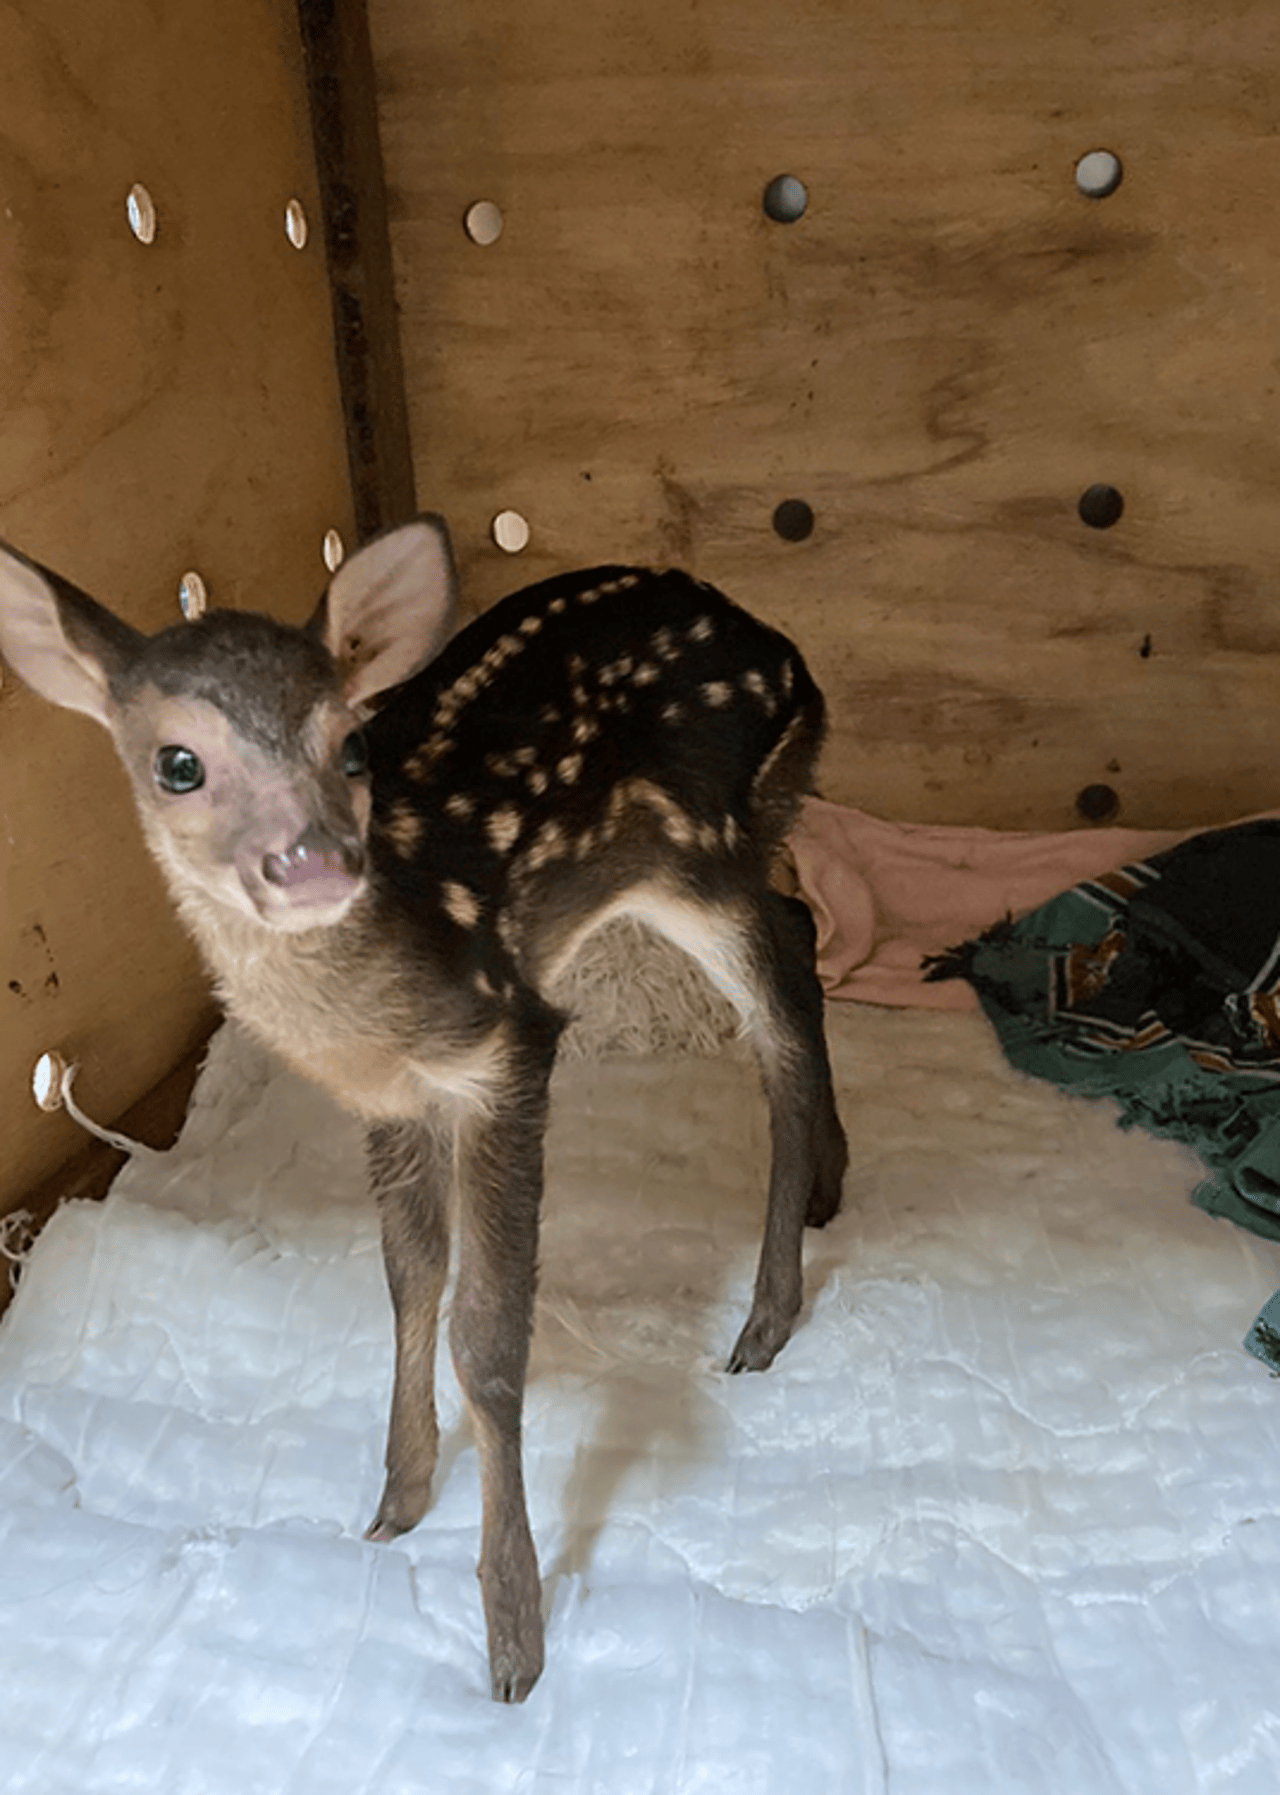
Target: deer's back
(604, 704)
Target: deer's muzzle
(318, 868)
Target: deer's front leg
(411, 1169)
(500, 1176)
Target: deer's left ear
(390, 608)
(59, 641)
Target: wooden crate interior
(929, 366)
(939, 358)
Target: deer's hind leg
(757, 949)
(809, 1152)
(797, 942)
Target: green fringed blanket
(1159, 986)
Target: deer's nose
(315, 863)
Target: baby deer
(388, 844)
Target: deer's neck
(335, 1005)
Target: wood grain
(939, 357)
(164, 408)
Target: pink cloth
(884, 894)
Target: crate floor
(1004, 1516)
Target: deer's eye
(178, 770)
(355, 755)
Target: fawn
(388, 843)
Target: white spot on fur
(568, 769)
(420, 763)
(474, 680)
(461, 903)
(645, 674)
(701, 630)
(506, 766)
(403, 829)
(503, 826)
(530, 626)
(585, 729)
(537, 782)
(459, 806)
(672, 713)
(643, 794)
(717, 692)
(758, 686)
(549, 843)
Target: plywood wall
(947, 349)
(162, 408)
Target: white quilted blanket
(1004, 1519)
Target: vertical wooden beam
(348, 155)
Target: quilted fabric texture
(1002, 1520)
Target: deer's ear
(59, 641)
(390, 608)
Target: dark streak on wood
(344, 125)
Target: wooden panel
(163, 408)
(939, 357)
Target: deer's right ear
(390, 607)
(59, 641)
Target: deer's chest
(351, 1024)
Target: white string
(17, 1237)
(120, 1141)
